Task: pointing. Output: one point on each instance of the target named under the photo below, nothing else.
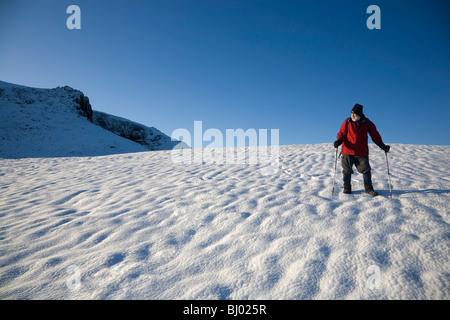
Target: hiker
(355, 148)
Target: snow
(80, 222)
(138, 226)
(46, 123)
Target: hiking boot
(347, 188)
(370, 191)
(368, 184)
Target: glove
(337, 143)
(384, 147)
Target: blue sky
(296, 66)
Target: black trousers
(361, 164)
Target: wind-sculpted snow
(138, 226)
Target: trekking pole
(335, 165)
(389, 175)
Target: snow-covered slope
(60, 122)
(138, 226)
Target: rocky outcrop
(149, 137)
(84, 106)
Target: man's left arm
(376, 137)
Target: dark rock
(84, 106)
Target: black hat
(358, 109)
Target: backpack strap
(346, 125)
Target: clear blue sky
(296, 66)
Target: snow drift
(138, 226)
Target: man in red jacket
(355, 148)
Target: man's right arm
(342, 135)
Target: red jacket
(354, 136)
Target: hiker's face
(355, 117)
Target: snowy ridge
(56, 123)
(138, 226)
